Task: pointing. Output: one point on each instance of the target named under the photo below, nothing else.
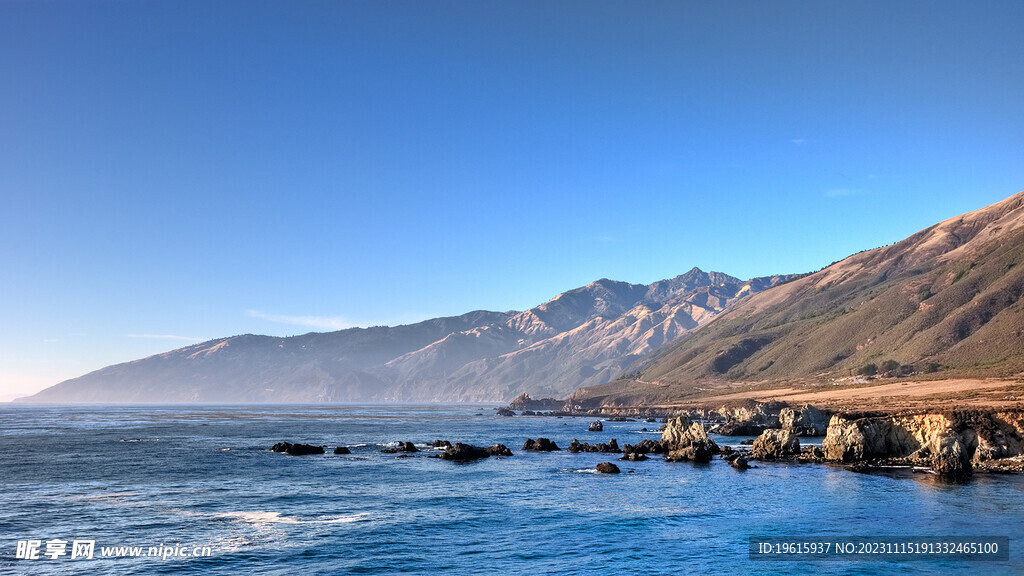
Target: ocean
(200, 481)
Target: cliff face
(581, 337)
(946, 300)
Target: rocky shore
(953, 444)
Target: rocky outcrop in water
(739, 463)
(577, 446)
(952, 444)
(687, 440)
(755, 418)
(773, 444)
(342, 450)
(595, 426)
(607, 468)
(804, 421)
(504, 412)
(523, 402)
(646, 446)
(540, 445)
(296, 449)
(397, 447)
(460, 452)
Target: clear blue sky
(174, 171)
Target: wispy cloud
(165, 337)
(843, 192)
(798, 141)
(323, 322)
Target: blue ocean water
(201, 476)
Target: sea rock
(499, 450)
(773, 444)
(952, 443)
(595, 426)
(687, 440)
(342, 450)
(296, 449)
(804, 421)
(696, 452)
(749, 420)
(634, 456)
(646, 446)
(440, 444)
(396, 447)
(577, 446)
(460, 452)
(504, 412)
(464, 452)
(540, 445)
(952, 457)
(739, 463)
(524, 402)
(607, 468)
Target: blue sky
(175, 171)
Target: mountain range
(583, 337)
(943, 303)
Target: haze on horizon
(172, 172)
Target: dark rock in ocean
(400, 447)
(499, 450)
(725, 450)
(607, 468)
(342, 450)
(739, 463)
(529, 413)
(504, 412)
(646, 446)
(634, 456)
(747, 442)
(595, 426)
(540, 445)
(772, 444)
(611, 446)
(696, 452)
(650, 420)
(460, 452)
(296, 449)
(440, 444)
(620, 419)
(463, 452)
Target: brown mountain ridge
(943, 303)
